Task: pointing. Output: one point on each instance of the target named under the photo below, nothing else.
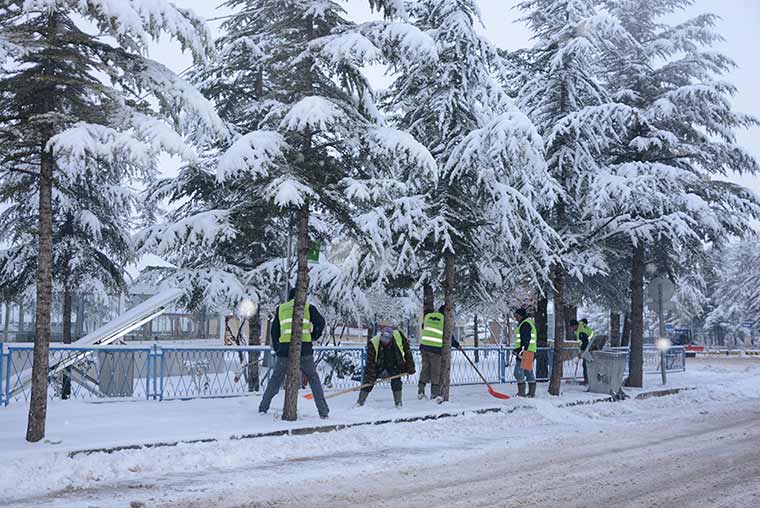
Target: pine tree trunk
(80, 316)
(615, 329)
(559, 330)
(625, 338)
(66, 387)
(448, 324)
(254, 334)
(542, 328)
(202, 320)
(38, 402)
(428, 299)
(476, 340)
(428, 304)
(293, 377)
(636, 372)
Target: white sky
(739, 26)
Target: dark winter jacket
(583, 337)
(282, 350)
(388, 359)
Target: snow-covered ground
(248, 471)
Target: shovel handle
(310, 396)
(476, 369)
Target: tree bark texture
(448, 323)
(38, 401)
(559, 329)
(66, 385)
(636, 371)
(542, 328)
(614, 329)
(293, 377)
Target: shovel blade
(494, 393)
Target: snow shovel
(574, 380)
(310, 396)
(493, 392)
(242, 368)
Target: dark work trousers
(278, 376)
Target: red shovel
(493, 392)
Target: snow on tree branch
(251, 154)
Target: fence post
(8, 365)
(160, 353)
(2, 376)
(154, 371)
(147, 375)
(502, 366)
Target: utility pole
(661, 338)
(476, 342)
(659, 308)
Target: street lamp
(663, 343)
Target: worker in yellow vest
(280, 329)
(526, 339)
(388, 354)
(431, 348)
(583, 334)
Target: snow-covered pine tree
(91, 245)
(91, 238)
(660, 189)
(737, 293)
(611, 289)
(484, 219)
(309, 141)
(76, 97)
(564, 97)
(694, 284)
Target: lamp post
(662, 342)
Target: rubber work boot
(397, 399)
(532, 390)
(435, 391)
(521, 389)
(362, 398)
(420, 391)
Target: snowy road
(712, 460)
(698, 448)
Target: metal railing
(180, 372)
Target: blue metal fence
(2, 375)
(158, 372)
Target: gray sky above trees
(739, 26)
